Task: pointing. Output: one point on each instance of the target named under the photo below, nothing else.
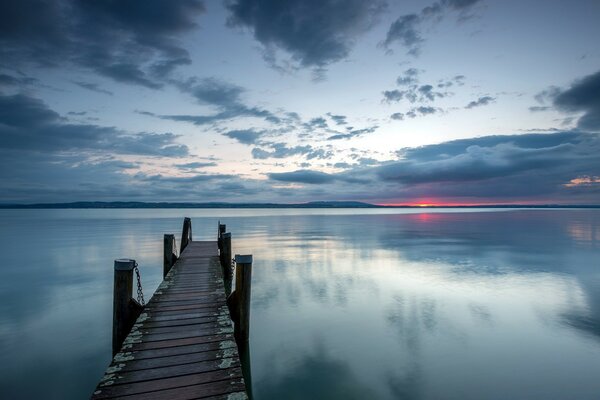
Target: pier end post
(186, 234)
(169, 253)
(225, 254)
(125, 308)
(243, 286)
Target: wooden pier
(182, 344)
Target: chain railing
(140, 294)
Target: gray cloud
(413, 92)
(583, 96)
(27, 124)
(353, 133)
(410, 77)
(195, 165)
(532, 167)
(302, 176)
(391, 96)
(93, 87)
(281, 150)
(563, 156)
(482, 101)
(224, 96)
(406, 30)
(212, 91)
(338, 119)
(245, 136)
(415, 112)
(539, 108)
(314, 33)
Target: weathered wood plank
(167, 383)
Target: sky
(387, 102)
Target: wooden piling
(239, 300)
(169, 253)
(125, 309)
(186, 234)
(220, 231)
(225, 258)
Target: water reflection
(315, 374)
(427, 300)
(381, 305)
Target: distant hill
(312, 204)
(136, 204)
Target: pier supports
(125, 308)
(220, 231)
(239, 300)
(186, 234)
(225, 258)
(170, 253)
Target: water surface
(347, 304)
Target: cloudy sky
(398, 102)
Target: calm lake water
(346, 304)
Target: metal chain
(140, 294)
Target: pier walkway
(182, 345)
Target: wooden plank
(182, 345)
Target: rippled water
(347, 304)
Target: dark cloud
(583, 96)
(427, 92)
(415, 112)
(212, 91)
(27, 124)
(199, 178)
(482, 101)
(93, 87)
(338, 119)
(554, 157)
(392, 96)
(245, 136)
(410, 77)
(128, 41)
(413, 92)
(315, 33)
(406, 30)
(353, 133)
(316, 123)
(17, 81)
(302, 176)
(558, 167)
(224, 96)
(539, 108)
(281, 150)
(342, 165)
(196, 165)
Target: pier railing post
(186, 234)
(225, 255)
(170, 253)
(220, 231)
(239, 301)
(125, 309)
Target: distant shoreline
(323, 204)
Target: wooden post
(125, 309)
(225, 255)
(186, 234)
(169, 253)
(243, 285)
(221, 230)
